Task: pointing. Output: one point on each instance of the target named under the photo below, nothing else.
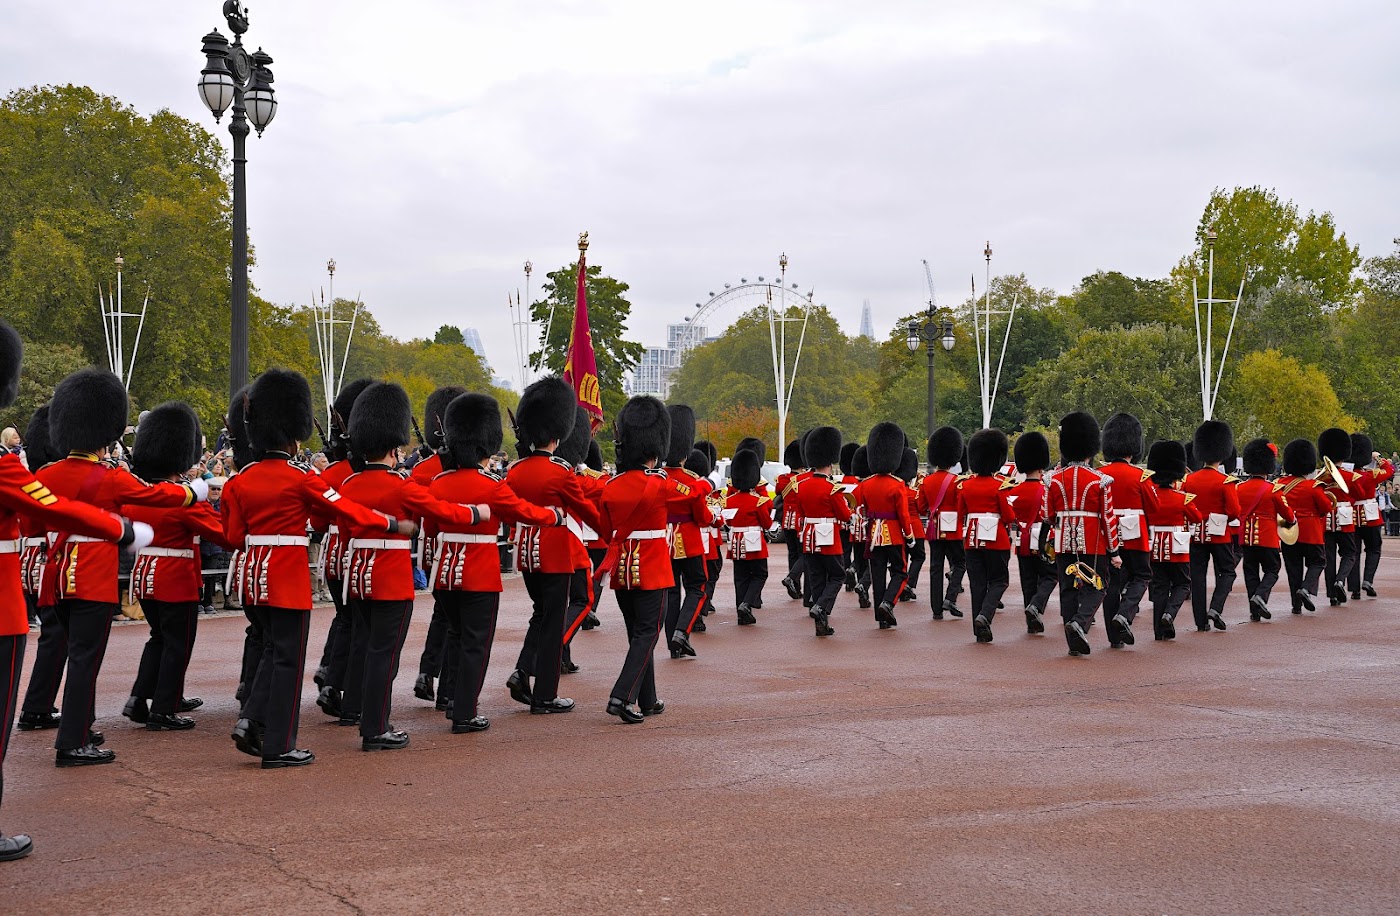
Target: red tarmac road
(905, 771)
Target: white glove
(201, 490)
(144, 534)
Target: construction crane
(928, 274)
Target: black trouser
(1257, 560)
(1225, 559)
(887, 574)
(942, 550)
(31, 607)
(595, 556)
(749, 578)
(88, 624)
(275, 698)
(336, 657)
(580, 599)
(1037, 580)
(988, 576)
(388, 627)
(1297, 558)
(253, 645)
(683, 600)
(917, 552)
(50, 658)
(356, 637)
(713, 568)
(860, 560)
(473, 616)
(11, 663)
(1171, 583)
(1127, 584)
(641, 612)
(1341, 556)
(825, 576)
(795, 557)
(542, 652)
(434, 658)
(1079, 601)
(160, 677)
(1368, 540)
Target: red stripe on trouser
(904, 561)
(699, 607)
(572, 628)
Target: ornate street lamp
(233, 77)
(934, 329)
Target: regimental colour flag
(581, 368)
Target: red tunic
(822, 506)
(1343, 515)
(593, 483)
(34, 551)
(938, 502)
(1367, 512)
(379, 567)
(169, 569)
(333, 551)
(750, 516)
(884, 503)
(87, 570)
(1169, 513)
(1131, 491)
(1079, 501)
(686, 513)
(1311, 505)
(1026, 499)
(265, 509)
(787, 486)
(1217, 502)
(634, 524)
(22, 496)
(1261, 507)
(550, 483)
(710, 534)
(985, 513)
(467, 559)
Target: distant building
(472, 338)
(657, 368)
(867, 323)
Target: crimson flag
(581, 368)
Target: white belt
(453, 538)
(14, 546)
(83, 539)
(745, 529)
(34, 542)
(166, 552)
(1077, 514)
(819, 521)
(276, 540)
(1168, 529)
(379, 544)
(651, 534)
(1120, 512)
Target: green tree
(608, 311)
(1277, 396)
(1109, 299)
(1367, 335)
(449, 334)
(1289, 317)
(45, 365)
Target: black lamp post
(934, 329)
(232, 76)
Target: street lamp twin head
(932, 329)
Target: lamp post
(232, 76)
(933, 329)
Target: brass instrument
(1083, 575)
(1287, 535)
(1332, 471)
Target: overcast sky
(432, 146)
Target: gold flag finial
(583, 241)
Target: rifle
(325, 442)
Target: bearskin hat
(168, 442)
(1361, 450)
(471, 426)
(574, 447)
(1334, 443)
(698, 463)
(38, 450)
(11, 354)
(1080, 436)
(1299, 458)
(642, 432)
(434, 410)
(546, 413)
(1259, 458)
(884, 448)
(860, 463)
(792, 455)
(380, 421)
(682, 434)
(909, 466)
(1122, 438)
(822, 447)
(1167, 460)
(986, 451)
(236, 429)
(341, 409)
(1190, 448)
(88, 412)
(1213, 442)
(1032, 452)
(594, 459)
(745, 470)
(708, 447)
(945, 448)
(279, 409)
(848, 452)
(751, 444)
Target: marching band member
(860, 530)
(882, 501)
(595, 545)
(822, 506)
(792, 521)
(1371, 471)
(51, 652)
(1123, 447)
(850, 556)
(1312, 505)
(986, 517)
(574, 450)
(1032, 453)
(688, 514)
(750, 516)
(1169, 514)
(918, 552)
(1211, 540)
(1334, 445)
(714, 556)
(1262, 508)
(938, 502)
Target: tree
(45, 365)
(726, 428)
(608, 311)
(1276, 396)
(1367, 335)
(1109, 299)
(449, 334)
(1289, 317)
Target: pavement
(911, 770)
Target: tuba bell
(1331, 470)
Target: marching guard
(1212, 542)
(749, 514)
(882, 502)
(1169, 516)
(792, 524)
(988, 522)
(938, 501)
(1262, 510)
(1334, 445)
(1304, 557)
(1032, 454)
(822, 507)
(1123, 447)
(688, 515)
(1371, 471)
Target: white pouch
(987, 527)
(1346, 515)
(1181, 543)
(1371, 510)
(1217, 523)
(824, 534)
(753, 541)
(1130, 526)
(948, 521)
(1032, 535)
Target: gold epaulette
(1146, 474)
(1230, 479)
(1187, 500)
(1007, 483)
